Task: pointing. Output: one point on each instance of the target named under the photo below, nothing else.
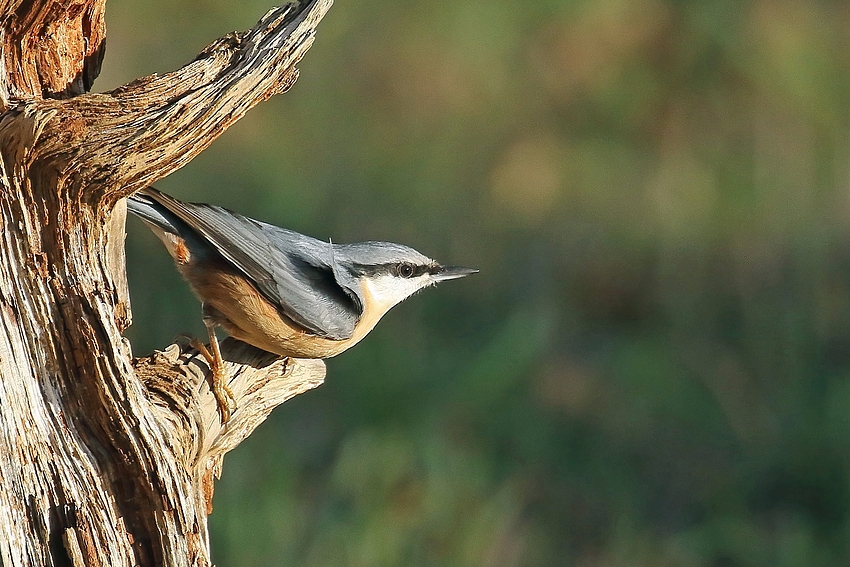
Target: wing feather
(302, 284)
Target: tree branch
(121, 141)
(176, 379)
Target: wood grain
(107, 460)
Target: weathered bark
(103, 460)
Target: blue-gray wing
(294, 272)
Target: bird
(276, 289)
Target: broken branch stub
(259, 381)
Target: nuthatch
(279, 290)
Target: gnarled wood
(103, 462)
(51, 49)
(177, 381)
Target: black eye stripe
(418, 270)
(393, 268)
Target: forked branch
(118, 142)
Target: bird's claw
(223, 395)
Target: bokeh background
(653, 366)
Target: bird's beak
(452, 273)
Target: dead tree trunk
(106, 460)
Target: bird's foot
(223, 395)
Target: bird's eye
(405, 270)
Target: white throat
(385, 290)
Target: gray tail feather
(152, 212)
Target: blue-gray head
(390, 273)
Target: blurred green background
(653, 366)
